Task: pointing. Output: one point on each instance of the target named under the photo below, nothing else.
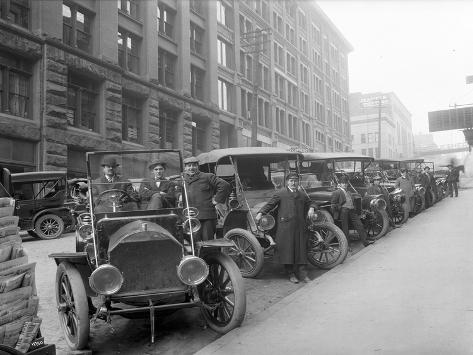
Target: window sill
(17, 118)
(170, 39)
(83, 131)
(131, 18)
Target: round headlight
(192, 270)
(190, 212)
(234, 204)
(106, 280)
(378, 203)
(266, 223)
(85, 231)
(191, 223)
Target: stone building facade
(87, 75)
(397, 140)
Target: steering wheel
(113, 198)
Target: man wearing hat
(204, 191)
(292, 206)
(452, 179)
(343, 208)
(404, 183)
(426, 182)
(375, 188)
(159, 192)
(110, 180)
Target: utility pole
(379, 127)
(255, 45)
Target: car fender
(57, 211)
(80, 261)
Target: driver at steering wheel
(110, 180)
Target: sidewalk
(410, 293)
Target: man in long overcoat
(425, 181)
(407, 186)
(204, 191)
(291, 236)
(452, 179)
(160, 192)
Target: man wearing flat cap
(426, 182)
(110, 180)
(343, 209)
(292, 207)
(159, 192)
(204, 191)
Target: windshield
(126, 181)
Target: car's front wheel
(49, 226)
(247, 253)
(327, 245)
(73, 309)
(222, 294)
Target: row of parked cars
(134, 260)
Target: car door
(25, 204)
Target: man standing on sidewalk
(343, 208)
(452, 180)
(291, 236)
(426, 182)
(407, 186)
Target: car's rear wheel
(247, 254)
(49, 226)
(327, 245)
(73, 309)
(400, 213)
(222, 294)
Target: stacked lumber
(18, 299)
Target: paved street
(410, 293)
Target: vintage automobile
(255, 173)
(321, 173)
(131, 260)
(40, 201)
(387, 170)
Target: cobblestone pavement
(182, 332)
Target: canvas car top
(215, 155)
(335, 156)
(37, 176)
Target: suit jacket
(291, 234)
(202, 188)
(101, 184)
(148, 189)
(337, 201)
(405, 185)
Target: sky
(420, 50)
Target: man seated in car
(159, 192)
(110, 180)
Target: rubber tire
(342, 239)
(433, 197)
(385, 228)
(328, 218)
(236, 279)
(40, 220)
(239, 233)
(80, 304)
(422, 206)
(406, 215)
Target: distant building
(85, 75)
(396, 126)
(424, 143)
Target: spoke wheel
(222, 294)
(49, 226)
(376, 223)
(400, 214)
(324, 216)
(419, 204)
(72, 306)
(247, 254)
(327, 245)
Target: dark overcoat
(291, 233)
(201, 188)
(101, 184)
(149, 188)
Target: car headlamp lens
(378, 203)
(191, 223)
(106, 280)
(266, 223)
(192, 270)
(85, 232)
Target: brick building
(396, 126)
(82, 75)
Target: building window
(196, 6)
(165, 21)
(16, 11)
(197, 35)
(363, 138)
(82, 96)
(224, 14)
(197, 83)
(370, 152)
(77, 27)
(131, 118)
(224, 53)
(224, 95)
(166, 68)
(128, 51)
(167, 130)
(15, 81)
(129, 7)
(199, 137)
